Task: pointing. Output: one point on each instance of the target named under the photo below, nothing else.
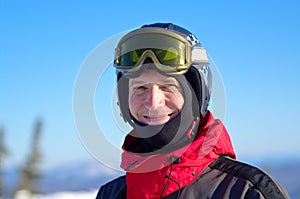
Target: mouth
(157, 119)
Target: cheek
(176, 100)
(134, 104)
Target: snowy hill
(58, 195)
(77, 177)
(80, 178)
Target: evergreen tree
(3, 153)
(29, 173)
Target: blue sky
(255, 45)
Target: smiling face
(154, 99)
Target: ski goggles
(170, 52)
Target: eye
(169, 87)
(139, 89)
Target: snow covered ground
(59, 195)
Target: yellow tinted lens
(171, 53)
(130, 58)
(171, 56)
(134, 56)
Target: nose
(155, 97)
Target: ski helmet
(138, 45)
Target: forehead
(152, 76)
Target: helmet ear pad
(123, 88)
(195, 79)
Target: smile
(157, 119)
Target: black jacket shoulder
(259, 180)
(114, 189)
(228, 178)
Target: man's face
(154, 99)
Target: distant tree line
(29, 172)
(3, 153)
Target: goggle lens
(169, 57)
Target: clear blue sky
(255, 45)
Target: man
(176, 148)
